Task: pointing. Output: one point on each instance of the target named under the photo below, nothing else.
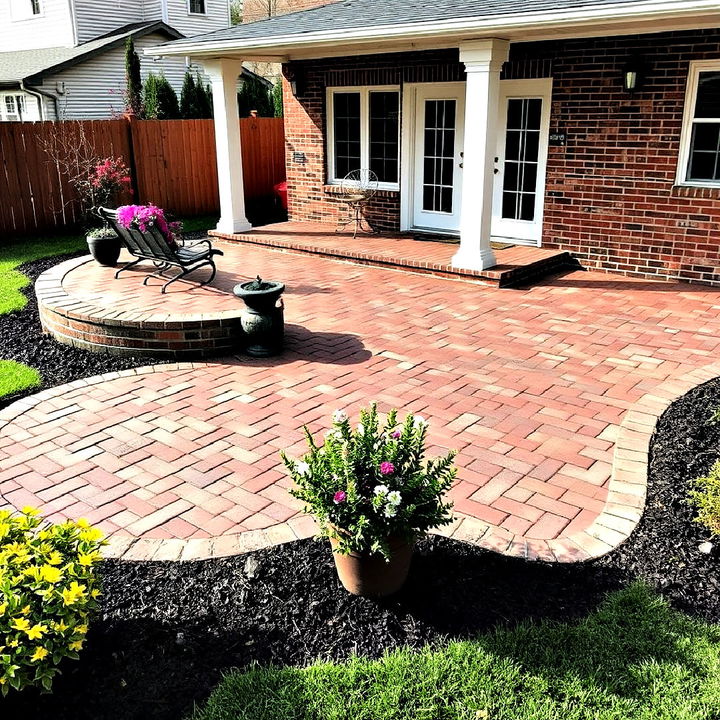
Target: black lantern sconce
(295, 78)
(632, 75)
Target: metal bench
(152, 245)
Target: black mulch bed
(21, 339)
(168, 631)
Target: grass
(15, 376)
(633, 659)
(12, 281)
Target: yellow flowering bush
(48, 594)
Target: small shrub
(706, 498)
(48, 594)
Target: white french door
(524, 126)
(437, 178)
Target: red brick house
(586, 125)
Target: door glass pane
(346, 114)
(522, 152)
(385, 135)
(439, 154)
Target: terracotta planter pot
(372, 575)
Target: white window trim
(364, 91)
(197, 14)
(696, 67)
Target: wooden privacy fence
(173, 165)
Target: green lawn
(633, 659)
(16, 376)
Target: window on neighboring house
(196, 7)
(35, 7)
(700, 157)
(364, 132)
(13, 108)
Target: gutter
(493, 25)
(39, 94)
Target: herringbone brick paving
(528, 385)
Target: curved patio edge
(613, 526)
(102, 328)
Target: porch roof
(330, 29)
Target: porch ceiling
(376, 26)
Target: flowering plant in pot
(143, 217)
(103, 183)
(373, 495)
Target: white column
(483, 62)
(223, 75)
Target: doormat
(501, 245)
(428, 237)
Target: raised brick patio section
(532, 387)
(516, 264)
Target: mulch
(168, 631)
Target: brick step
(516, 265)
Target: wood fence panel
(263, 144)
(174, 166)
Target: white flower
(394, 498)
(419, 421)
(302, 468)
(390, 511)
(360, 428)
(336, 434)
(381, 490)
(339, 416)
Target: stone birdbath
(262, 320)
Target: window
(13, 108)
(196, 7)
(700, 145)
(364, 132)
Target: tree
(236, 8)
(277, 96)
(188, 98)
(159, 99)
(254, 95)
(133, 82)
(195, 98)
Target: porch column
(223, 73)
(483, 62)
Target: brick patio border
(104, 329)
(622, 511)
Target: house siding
(53, 28)
(98, 17)
(611, 197)
(94, 89)
(216, 18)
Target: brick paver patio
(530, 386)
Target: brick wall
(610, 196)
(262, 9)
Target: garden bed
(170, 630)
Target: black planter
(105, 249)
(262, 320)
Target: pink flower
(340, 497)
(387, 468)
(395, 434)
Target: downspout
(73, 22)
(164, 14)
(39, 94)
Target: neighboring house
(64, 59)
(254, 10)
(587, 125)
